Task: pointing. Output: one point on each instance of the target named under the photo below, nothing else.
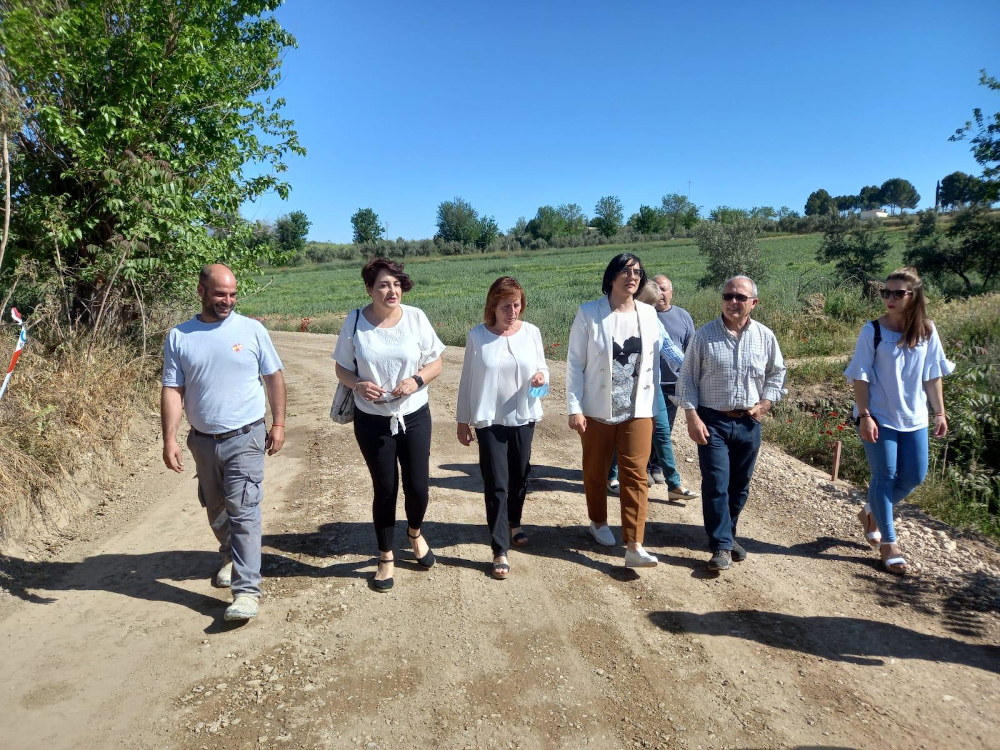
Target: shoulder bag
(342, 409)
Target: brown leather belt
(232, 433)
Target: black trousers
(504, 455)
(387, 455)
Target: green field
(452, 290)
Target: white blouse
(496, 376)
(896, 376)
(386, 357)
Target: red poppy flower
(840, 427)
(829, 432)
(833, 413)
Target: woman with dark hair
(499, 397)
(612, 368)
(387, 353)
(897, 368)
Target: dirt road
(118, 641)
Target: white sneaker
(224, 578)
(613, 487)
(245, 607)
(639, 559)
(602, 534)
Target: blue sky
(514, 105)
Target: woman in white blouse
(897, 368)
(504, 365)
(388, 353)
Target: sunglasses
(729, 297)
(895, 293)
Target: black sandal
(386, 583)
(501, 570)
(520, 539)
(427, 560)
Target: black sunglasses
(895, 293)
(729, 297)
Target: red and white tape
(17, 351)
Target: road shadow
(844, 639)
(540, 479)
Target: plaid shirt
(725, 373)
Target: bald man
(212, 370)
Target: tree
(488, 231)
(137, 123)
(608, 215)
(519, 230)
(847, 203)
(679, 211)
(986, 142)
(730, 249)
(819, 203)
(870, 197)
(857, 249)
(966, 250)
(574, 220)
(368, 229)
(899, 193)
(954, 190)
(728, 214)
(548, 223)
(290, 234)
(457, 221)
(647, 221)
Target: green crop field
(452, 290)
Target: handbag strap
(875, 343)
(357, 314)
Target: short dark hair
(503, 288)
(615, 267)
(377, 265)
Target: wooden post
(836, 460)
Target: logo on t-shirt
(237, 348)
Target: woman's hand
(464, 434)
(578, 422)
(538, 379)
(940, 425)
(868, 429)
(368, 390)
(408, 386)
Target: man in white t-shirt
(212, 370)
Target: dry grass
(63, 413)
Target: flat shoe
(602, 535)
(681, 493)
(244, 607)
(427, 561)
(386, 583)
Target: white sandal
(867, 523)
(897, 564)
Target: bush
(731, 250)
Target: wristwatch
(418, 380)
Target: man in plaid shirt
(732, 373)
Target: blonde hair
(916, 326)
(649, 293)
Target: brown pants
(633, 439)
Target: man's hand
(758, 410)
(697, 430)
(578, 422)
(464, 434)
(172, 456)
(275, 439)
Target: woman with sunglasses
(897, 368)
(612, 374)
(387, 353)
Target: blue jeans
(663, 448)
(726, 468)
(898, 463)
